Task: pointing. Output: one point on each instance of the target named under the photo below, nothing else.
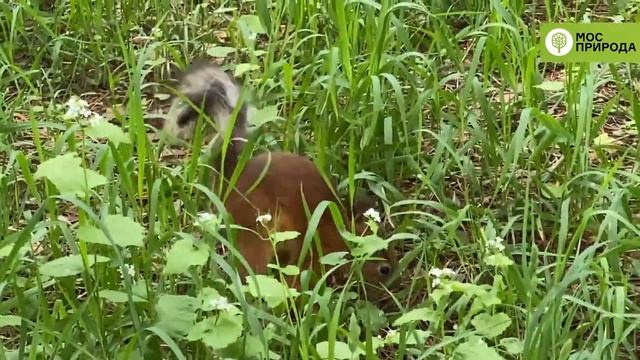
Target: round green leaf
(118, 296)
(341, 350)
(185, 253)
(283, 236)
(220, 51)
(69, 265)
(422, 314)
(106, 130)
(498, 260)
(290, 270)
(334, 258)
(513, 345)
(272, 291)
(476, 349)
(491, 325)
(176, 313)
(217, 331)
(253, 23)
(10, 320)
(66, 174)
(124, 232)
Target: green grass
(441, 108)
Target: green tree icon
(559, 40)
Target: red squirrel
(271, 184)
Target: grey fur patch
(208, 85)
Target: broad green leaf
(513, 346)
(334, 258)
(553, 189)
(415, 337)
(603, 140)
(212, 300)
(66, 174)
(69, 265)
(185, 253)
(373, 318)
(220, 51)
(10, 320)
(553, 125)
(498, 260)
(491, 326)
(124, 232)
(341, 350)
(5, 251)
(272, 291)
(290, 270)
(262, 116)
(243, 68)
(422, 314)
(176, 313)
(582, 355)
(253, 23)
(489, 298)
(161, 96)
(206, 296)
(118, 296)
(218, 331)
(476, 349)
(253, 347)
(283, 236)
(106, 130)
(554, 86)
(367, 245)
(489, 232)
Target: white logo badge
(559, 42)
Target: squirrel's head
(378, 271)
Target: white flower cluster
(438, 274)
(131, 270)
(157, 33)
(372, 214)
(208, 222)
(205, 217)
(220, 303)
(78, 108)
(263, 219)
(496, 244)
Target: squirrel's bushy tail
(211, 90)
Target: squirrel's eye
(384, 269)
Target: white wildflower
(95, 119)
(157, 33)
(263, 219)
(496, 244)
(391, 332)
(76, 108)
(220, 303)
(448, 272)
(438, 274)
(208, 222)
(205, 217)
(372, 214)
(131, 270)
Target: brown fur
(279, 191)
